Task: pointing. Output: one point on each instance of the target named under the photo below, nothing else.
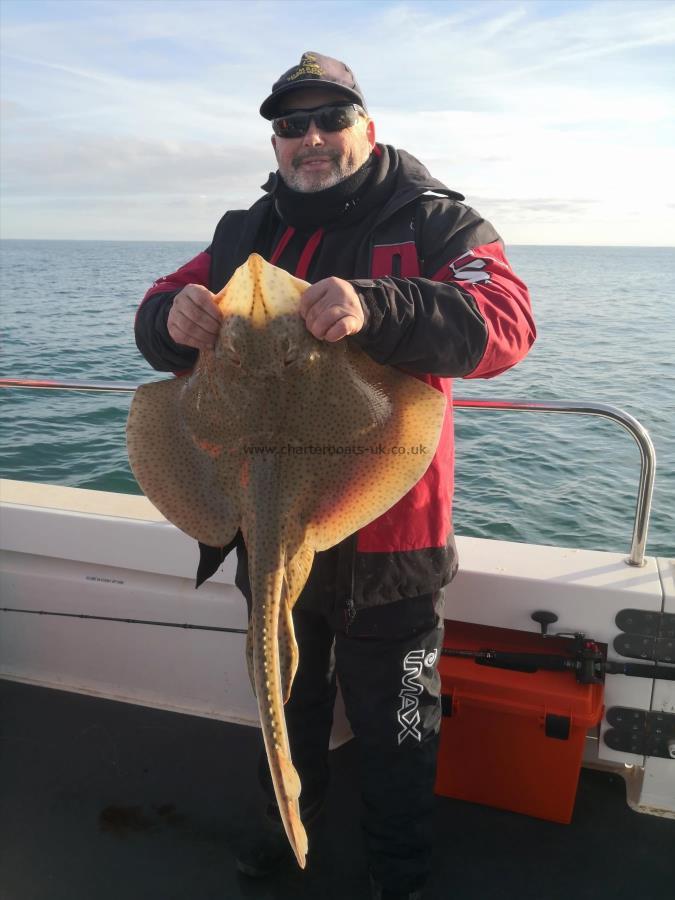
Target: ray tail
(267, 674)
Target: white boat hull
(76, 552)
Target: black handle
(544, 618)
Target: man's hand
(194, 319)
(331, 309)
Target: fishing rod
(586, 661)
(185, 625)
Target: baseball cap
(313, 70)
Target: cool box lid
(519, 693)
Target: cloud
(467, 61)
(10, 109)
(538, 205)
(96, 166)
(531, 104)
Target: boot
(265, 850)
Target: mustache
(298, 160)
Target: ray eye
(287, 351)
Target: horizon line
(197, 241)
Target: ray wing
(180, 453)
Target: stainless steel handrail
(613, 413)
(43, 384)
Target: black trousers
(386, 663)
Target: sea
(606, 334)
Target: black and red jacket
(440, 300)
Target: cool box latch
(557, 726)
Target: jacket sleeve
(466, 315)
(150, 328)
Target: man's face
(321, 159)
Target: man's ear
(370, 133)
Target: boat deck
(103, 800)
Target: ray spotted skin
(287, 439)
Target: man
(401, 267)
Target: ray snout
(259, 292)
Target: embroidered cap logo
(309, 66)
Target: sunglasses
(326, 118)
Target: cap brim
(269, 108)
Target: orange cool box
(511, 739)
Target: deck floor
(106, 801)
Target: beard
(299, 179)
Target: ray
(287, 439)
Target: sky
(138, 119)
